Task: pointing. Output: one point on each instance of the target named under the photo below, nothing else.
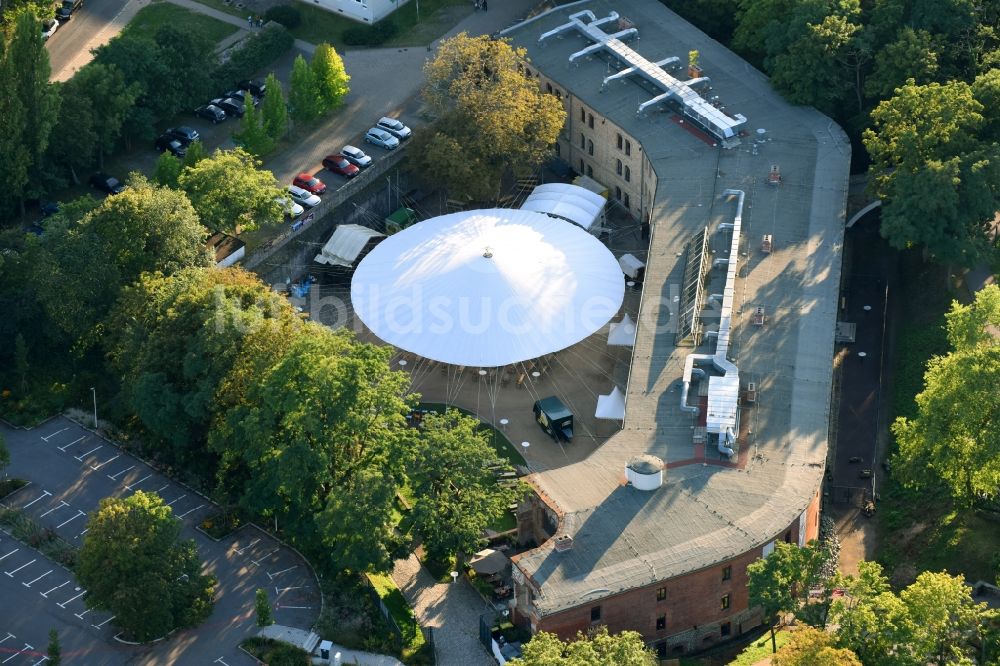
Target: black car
(232, 107)
(210, 112)
(241, 97)
(107, 184)
(165, 142)
(66, 10)
(186, 135)
(256, 87)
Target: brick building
(724, 441)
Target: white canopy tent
(346, 243)
(570, 202)
(631, 266)
(611, 406)
(622, 333)
(487, 288)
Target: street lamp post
(94, 392)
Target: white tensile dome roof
(487, 287)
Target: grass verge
(351, 619)
(43, 538)
(412, 637)
(500, 443)
(760, 649)
(150, 18)
(269, 651)
(436, 18)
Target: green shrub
(254, 53)
(287, 15)
(371, 35)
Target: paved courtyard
(70, 469)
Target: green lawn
(760, 649)
(148, 20)
(399, 609)
(499, 441)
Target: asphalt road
(70, 470)
(68, 47)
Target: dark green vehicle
(554, 418)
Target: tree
(253, 136)
(491, 115)
(330, 77)
(207, 317)
(107, 90)
(780, 583)
(15, 158)
(309, 434)
(26, 63)
(141, 61)
(263, 607)
(812, 647)
(274, 110)
(54, 651)
(303, 100)
(167, 170)
(952, 440)
(77, 143)
(90, 251)
(624, 649)
(4, 455)
(457, 496)
(986, 90)
(938, 182)
(21, 361)
(195, 153)
(134, 565)
(912, 56)
(190, 60)
(230, 191)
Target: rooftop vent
(644, 472)
(564, 543)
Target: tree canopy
(330, 77)
(231, 190)
(953, 439)
(134, 565)
(624, 649)
(489, 116)
(812, 647)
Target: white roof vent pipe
(726, 441)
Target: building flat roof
(708, 509)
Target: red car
(339, 164)
(309, 183)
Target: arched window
(583, 141)
(628, 175)
(590, 120)
(581, 167)
(628, 147)
(558, 150)
(590, 147)
(618, 192)
(625, 201)
(619, 142)
(590, 171)
(583, 115)
(618, 167)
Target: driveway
(70, 469)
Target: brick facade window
(590, 171)
(581, 167)
(595, 614)
(618, 167)
(618, 193)
(628, 175)
(788, 534)
(725, 629)
(727, 573)
(583, 141)
(590, 120)
(590, 147)
(661, 593)
(619, 142)
(628, 147)
(724, 602)
(625, 201)
(661, 622)
(583, 115)
(548, 88)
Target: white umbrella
(611, 406)
(487, 288)
(622, 333)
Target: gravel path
(452, 609)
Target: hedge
(371, 35)
(287, 15)
(254, 54)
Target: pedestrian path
(452, 610)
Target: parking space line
(278, 591)
(45, 439)
(131, 486)
(240, 551)
(78, 514)
(219, 661)
(14, 571)
(8, 637)
(68, 601)
(200, 506)
(265, 555)
(48, 592)
(100, 465)
(115, 477)
(77, 441)
(272, 576)
(280, 606)
(98, 626)
(43, 659)
(80, 615)
(61, 505)
(44, 494)
(9, 554)
(160, 489)
(18, 653)
(38, 579)
(177, 500)
(82, 533)
(84, 455)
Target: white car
(379, 137)
(291, 208)
(394, 127)
(49, 27)
(303, 197)
(357, 157)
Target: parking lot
(70, 470)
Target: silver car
(357, 157)
(394, 127)
(303, 197)
(381, 138)
(291, 209)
